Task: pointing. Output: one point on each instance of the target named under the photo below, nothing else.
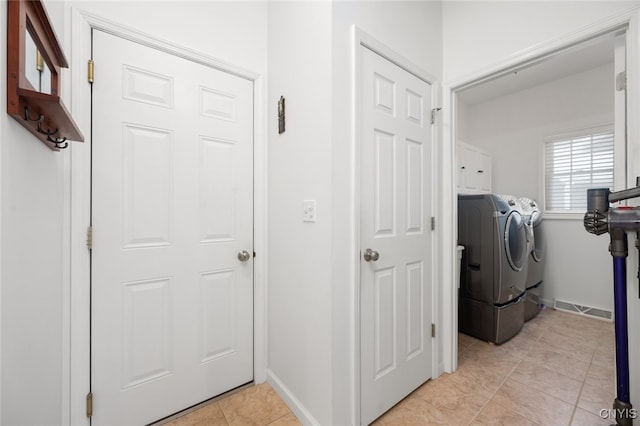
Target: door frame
(77, 295)
(630, 20)
(361, 40)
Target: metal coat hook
(27, 116)
(46, 132)
(60, 143)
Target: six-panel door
(172, 206)
(395, 186)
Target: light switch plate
(309, 211)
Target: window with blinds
(573, 165)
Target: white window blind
(575, 164)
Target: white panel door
(395, 321)
(172, 206)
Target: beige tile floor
(257, 405)
(559, 370)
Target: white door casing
(395, 212)
(172, 304)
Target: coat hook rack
(33, 81)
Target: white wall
(299, 168)
(474, 43)
(31, 197)
(512, 128)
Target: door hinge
(90, 404)
(90, 71)
(433, 330)
(433, 223)
(90, 238)
(621, 81)
(433, 115)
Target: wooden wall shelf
(34, 59)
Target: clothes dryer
(535, 268)
(493, 267)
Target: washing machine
(535, 265)
(493, 268)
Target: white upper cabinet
(474, 170)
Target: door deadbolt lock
(370, 255)
(243, 256)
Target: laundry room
(506, 128)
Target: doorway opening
(510, 113)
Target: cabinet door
(474, 170)
(461, 164)
(483, 172)
(472, 181)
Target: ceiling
(585, 56)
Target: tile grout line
(584, 381)
(281, 417)
(226, 419)
(575, 404)
(493, 394)
(466, 348)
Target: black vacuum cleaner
(600, 219)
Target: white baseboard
(303, 415)
(548, 303)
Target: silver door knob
(371, 255)
(243, 256)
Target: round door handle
(243, 256)
(371, 255)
